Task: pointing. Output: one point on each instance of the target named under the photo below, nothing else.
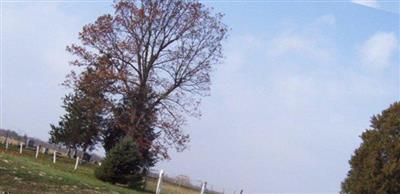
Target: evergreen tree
(124, 164)
(80, 126)
(375, 165)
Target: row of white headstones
(21, 145)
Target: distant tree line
(11, 134)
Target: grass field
(22, 173)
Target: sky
(298, 86)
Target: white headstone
(76, 163)
(158, 189)
(54, 156)
(203, 188)
(37, 152)
(20, 148)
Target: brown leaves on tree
(155, 57)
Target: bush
(123, 165)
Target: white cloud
(309, 42)
(368, 3)
(299, 45)
(378, 51)
(326, 19)
(310, 66)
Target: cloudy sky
(298, 86)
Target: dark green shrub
(123, 164)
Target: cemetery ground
(23, 173)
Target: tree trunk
(75, 152)
(69, 152)
(84, 149)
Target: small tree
(61, 134)
(124, 164)
(375, 165)
(80, 126)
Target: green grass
(22, 173)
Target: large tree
(375, 165)
(152, 60)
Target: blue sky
(298, 86)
